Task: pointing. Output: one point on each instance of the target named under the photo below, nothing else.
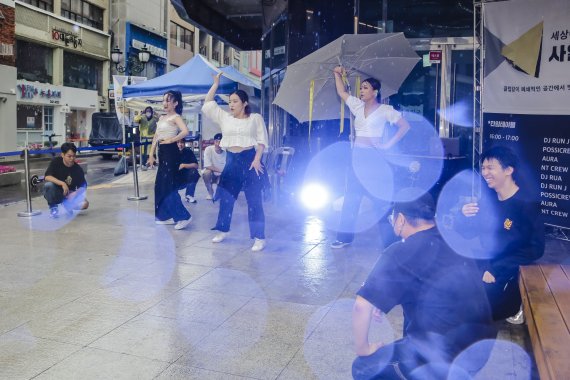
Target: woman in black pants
(244, 139)
(168, 208)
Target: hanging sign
(435, 56)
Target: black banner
(542, 143)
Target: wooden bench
(545, 291)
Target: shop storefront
(44, 110)
(62, 77)
(136, 38)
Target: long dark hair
(242, 95)
(376, 85)
(176, 96)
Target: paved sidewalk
(110, 295)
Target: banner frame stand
(478, 133)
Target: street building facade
(62, 61)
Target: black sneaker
(53, 212)
(339, 244)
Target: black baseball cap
(218, 136)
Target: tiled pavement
(110, 295)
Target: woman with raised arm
(244, 138)
(370, 117)
(168, 208)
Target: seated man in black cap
(443, 301)
(187, 175)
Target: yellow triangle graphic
(524, 52)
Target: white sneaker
(182, 224)
(220, 236)
(517, 319)
(208, 197)
(258, 245)
(167, 221)
(190, 199)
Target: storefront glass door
(440, 93)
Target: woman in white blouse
(168, 208)
(244, 139)
(370, 117)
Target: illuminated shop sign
(67, 37)
(27, 91)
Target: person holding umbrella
(370, 117)
(244, 139)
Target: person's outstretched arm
(212, 92)
(340, 88)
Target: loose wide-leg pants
(236, 177)
(167, 203)
(354, 193)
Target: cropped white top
(237, 132)
(373, 124)
(166, 128)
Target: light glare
(314, 196)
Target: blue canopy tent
(192, 78)
(232, 73)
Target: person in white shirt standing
(370, 117)
(244, 139)
(214, 163)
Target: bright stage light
(314, 196)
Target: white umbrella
(387, 57)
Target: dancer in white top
(370, 117)
(244, 139)
(168, 208)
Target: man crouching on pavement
(65, 182)
(444, 304)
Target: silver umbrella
(387, 57)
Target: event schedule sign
(543, 143)
(526, 95)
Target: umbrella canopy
(192, 78)
(387, 57)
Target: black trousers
(504, 297)
(236, 177)
(167, 203)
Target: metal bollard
(28, 211)
(136, 197)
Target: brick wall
(7, 34)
